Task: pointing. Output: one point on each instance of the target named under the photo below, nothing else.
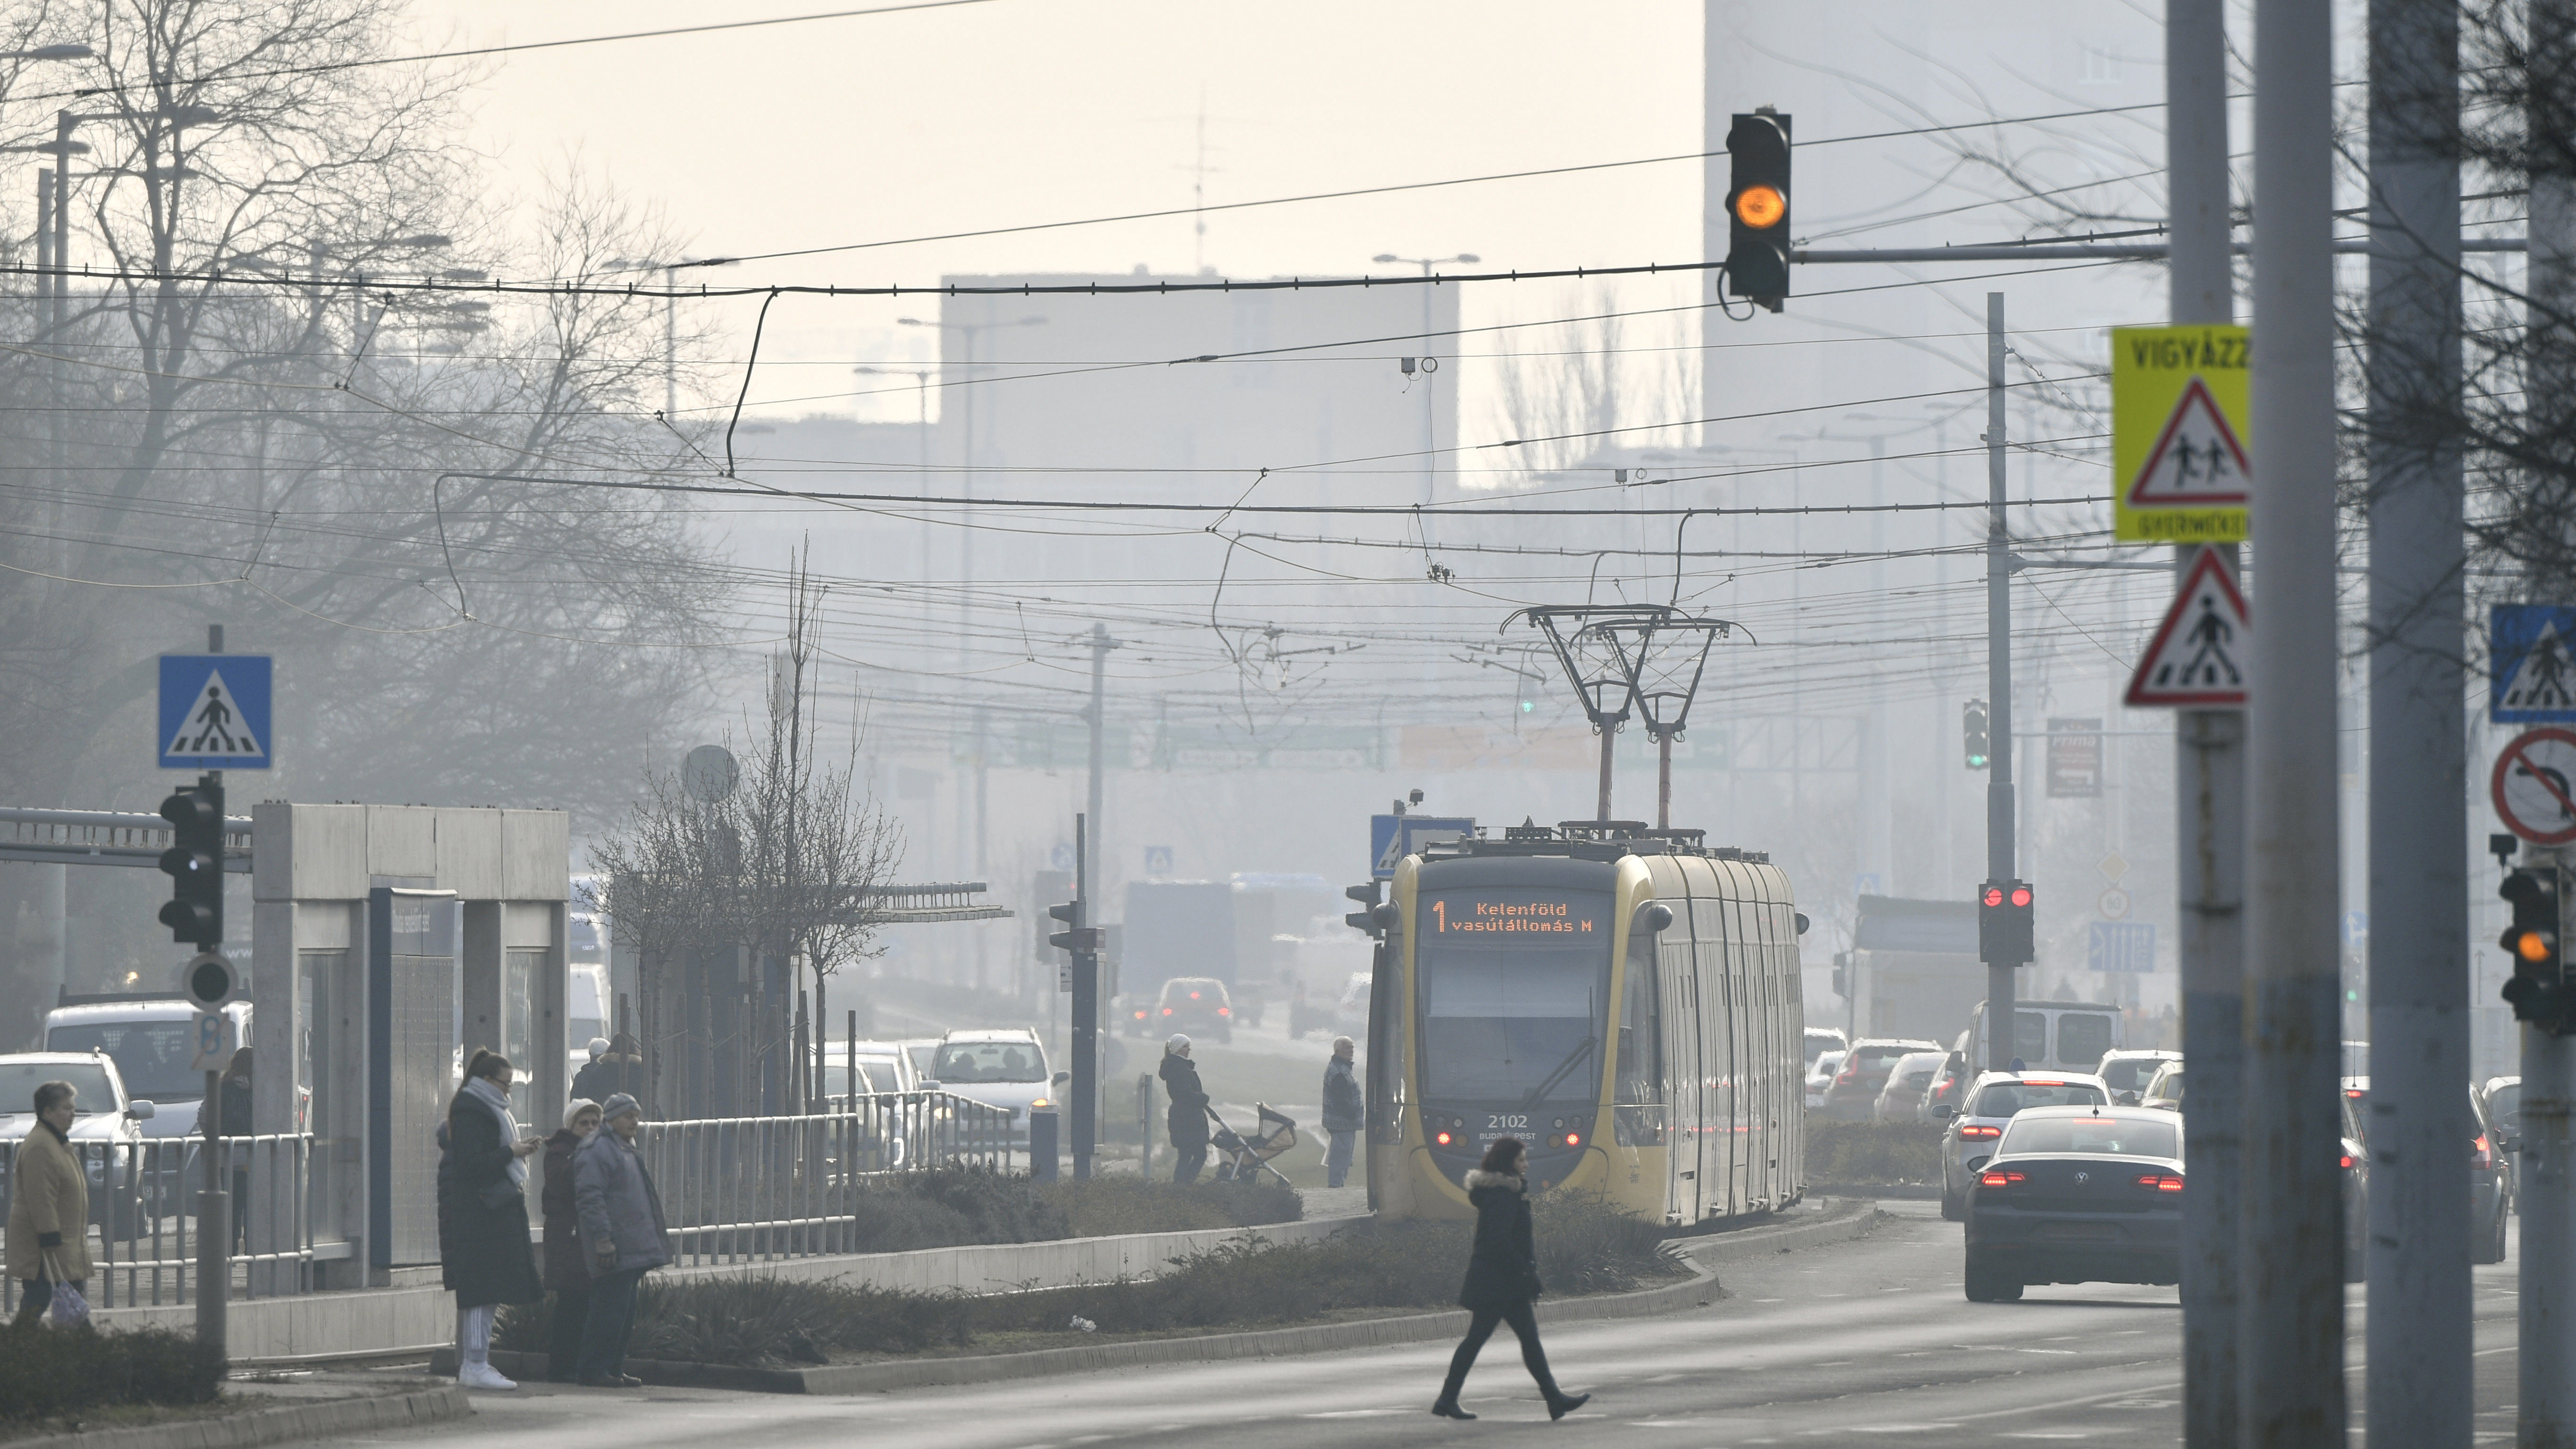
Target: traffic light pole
(1086, 1004)
(2001, 983)
(2546, 1400)
(214, 1205)
(2209, 779)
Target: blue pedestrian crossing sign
(214, 712)
(2534, 680)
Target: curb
(411, 1409)
(1842, 1221)
(1908, 1191)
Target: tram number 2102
(1505, 1121)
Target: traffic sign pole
(2001, 982)
(214, 1205)
(2545, 1407)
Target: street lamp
(966, 550)
(1429, 364)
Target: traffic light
(2538, 989)
(1081, 937)
(1757, 207)
(195, 864)
(1365, 918)
(208, 981)
(1973, 729)
(2004, 933)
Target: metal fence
(737, 1189)
(143, 1216)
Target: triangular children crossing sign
(2196, 460)
(214, 712)
(2198, 654)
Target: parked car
(2164, 1089)
(1862, 1075)
(1907, 1081)
(1992, 1101)
(884, 1067)
(2356, 1195)
(1820, 1077)
(1196, 1005)
(1002, 1067)
(107, 1132)
(2077, 1195)
(2127, 1072)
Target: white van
(2052, 1036)
(150, 1040)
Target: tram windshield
(1515, 989)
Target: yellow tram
(1628, 1005)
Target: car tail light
(2161, 1181)
(1981, 1133)
(1225, 1011)
(2353, 1092)
(2345, 1162)
(1850, 1071)
(1194, 996)
(1140, 1016)
(2041, 1082)
(2000, 1178)
(1167, 1011)
(2482, 1156)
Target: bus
(1628, 1004)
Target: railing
(736, 1189)
(143, 1216)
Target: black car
(2077, 1195)
(2493, 1185)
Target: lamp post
(1430, 364)
(966, 555)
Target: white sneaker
(483, 1376)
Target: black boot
(1561, 1404)
(1448, 1408)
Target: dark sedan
(2077, 1195)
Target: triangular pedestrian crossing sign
(214, 728)
(2197, 461)
(2198, 654)
(2542, 677)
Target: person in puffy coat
(623, 1230)
(1345, 1112)
(567, 1269)
(48, 1205)
(1188, 1119)
(483, 1253)
(1502, 1278)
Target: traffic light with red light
(1757, 208)
(2538, 989)
(2005, 934)
(195, 864)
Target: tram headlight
(1558, 1124)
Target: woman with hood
(483, 1254)
(567, 1268)
(1188, 1119)
(1502, 1278)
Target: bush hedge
(48, 1373)
(1867, 1152)
(1584, 1246)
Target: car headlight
(1040, 1102)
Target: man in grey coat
(621, 1221)
(1345, 1112)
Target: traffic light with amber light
(2538, 989)
(2004, 930)
(195, 864)
(1975, 733)
(1757, 207)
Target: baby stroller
(1247, 1157)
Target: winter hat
(1177, 1045)
(618, 1105)
(576, 1107)
(598, 1044)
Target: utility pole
(2292, 1279)
(2546, 1404)
(2000, 983)
(2418, 1381)
(2209, 781)
(1090, 837)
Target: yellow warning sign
(2180, 469)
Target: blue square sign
(214, 712)
(1393, 837)
(2532, 681)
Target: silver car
(1992, 1102)
(107, 1132)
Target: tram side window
(1639, 1118)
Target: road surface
(1869, 1337)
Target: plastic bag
(69, 1309)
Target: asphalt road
(1869, 1337)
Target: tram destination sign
(1506, 915)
